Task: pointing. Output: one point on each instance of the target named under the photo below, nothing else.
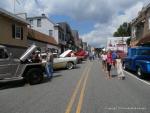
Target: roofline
(45, 17)
(13, 16)
(30, 38)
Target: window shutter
(21, 33)
(13, 30)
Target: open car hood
(65, 53)
(28, 52)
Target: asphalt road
(81, 90)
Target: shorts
(108, 67)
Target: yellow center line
(69, 107)
(78, 110)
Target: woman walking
(104, 58)
(109, 63)
(119, 68)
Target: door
(4, 64)
(59, 63)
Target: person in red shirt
(109, 63)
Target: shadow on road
(77, 67)
(114, 75)
(21, 83)
(146, 77)
(55, 76)
(12, 84)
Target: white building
(44, 25)
(117, 43)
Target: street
(81, 90)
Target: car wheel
(139, 72)
(69, 65)
(34, 76)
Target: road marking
(137, 78)
(69, 107)
(78, 110)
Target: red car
(81, 54)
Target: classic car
(61, 61)
(15, 69)
(80, 54)
(138, 60)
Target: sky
(95, 20)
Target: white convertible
(62, 61)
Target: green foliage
(123, 30)
(128, 41)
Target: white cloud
(106, 14)
(98, 36)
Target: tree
(123, 30)
(128, 41)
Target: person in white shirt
(119, 68)
(104, 58)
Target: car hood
(28, 52)
(64, 54)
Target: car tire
(34, 76)
(139, 72)
(70, 65)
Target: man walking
(49, 64)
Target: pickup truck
(138, 60)
(16, 69)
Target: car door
(4, 64)
(59, 63)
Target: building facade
(13, 32)
(67, 36)
(76, 39)
(43, 41)
(140, 25)
(42, 24)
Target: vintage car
(138, 60)
(62, 61)
(22, 68)
(80, 54)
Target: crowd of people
(111, 60)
